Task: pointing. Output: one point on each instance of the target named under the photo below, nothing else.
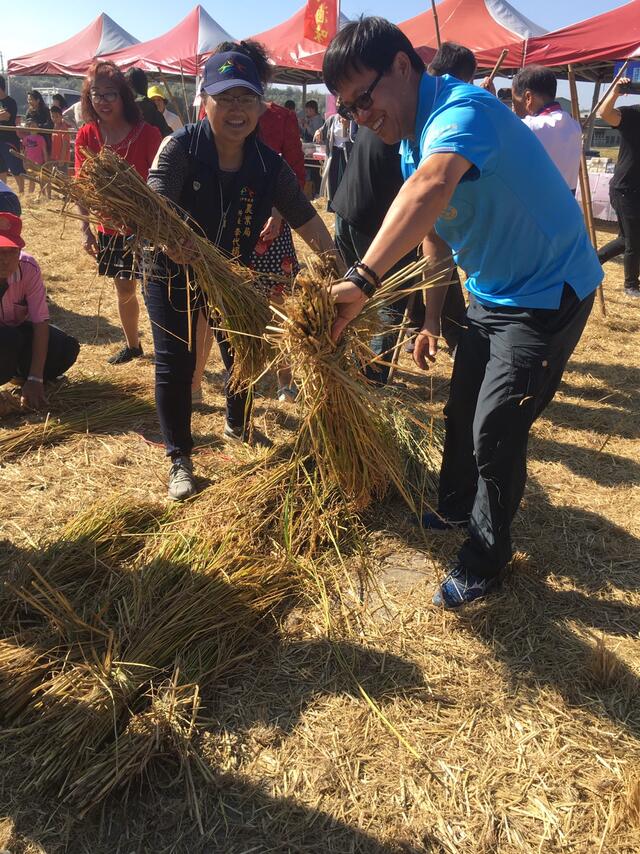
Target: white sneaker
(182, 484)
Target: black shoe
(632, 292)
(435, 522)
(127, 354)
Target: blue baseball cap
(224, 71)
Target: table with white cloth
(599, 183)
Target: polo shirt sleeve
(34, 290)
(465, 130)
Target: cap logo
(229, 65)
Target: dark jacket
(152, 115)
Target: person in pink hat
(32, 351)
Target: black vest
(247, 206)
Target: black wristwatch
(352, 275)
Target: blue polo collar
(427, 93)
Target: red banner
(321, 21)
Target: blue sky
(42, 23)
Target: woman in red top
(114, 120)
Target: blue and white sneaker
(461, 587)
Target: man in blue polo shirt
(478, 181)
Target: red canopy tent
(298, 58)
(181, 50)
(75, 55)
(596, 42)
(481, 25)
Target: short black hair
(256, 52)
(313, 104)
(290, 105)
(366, 43)
(454, 59)
(541, 81)
(137, 79)
(504, 94)
(55, 110)
(3, 83)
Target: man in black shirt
(625, 188)
(9, 141)
(137, 80)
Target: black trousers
(170, 312)
(16, 347)
(626, 204)
(508, 367)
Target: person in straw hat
(478, 181)
(159, 98)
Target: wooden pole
(436, 22)
(585, 187)
(496, 67)
(173, 100)
(606, 94)
(402, 333)
(184, 88)
(588, 125)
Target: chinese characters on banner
(321, 21)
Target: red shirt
(278, 128)
(138, 148)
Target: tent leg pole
(585, 187)
(589, 124)
(184, 89)
(304, 94)
(174, 101)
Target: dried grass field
(514, 727)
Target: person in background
(220, 173)
(73, 115)
(61, 141)
(290, 105)
(9, 141)
(59, 101)
(159, 98)
(274, 251)
(477, 181)
(137, 79)
(533, 90)
(454, 59)
(113, 119)
(311, 122)
(338, 137)
(9, 202)
(38, 115)
(34, 147)
(31, 350)
(624, 188)
(505, 96)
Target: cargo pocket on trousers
(529, 372)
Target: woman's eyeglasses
(227, 101)
(362, 102)
(109, 97)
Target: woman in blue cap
(220, 173)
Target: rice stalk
(116, 196)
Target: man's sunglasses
(362, 102)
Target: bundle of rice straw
(114, 622)
(347, 424)
(115, 195)
(92, 406)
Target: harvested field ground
(520, 720)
